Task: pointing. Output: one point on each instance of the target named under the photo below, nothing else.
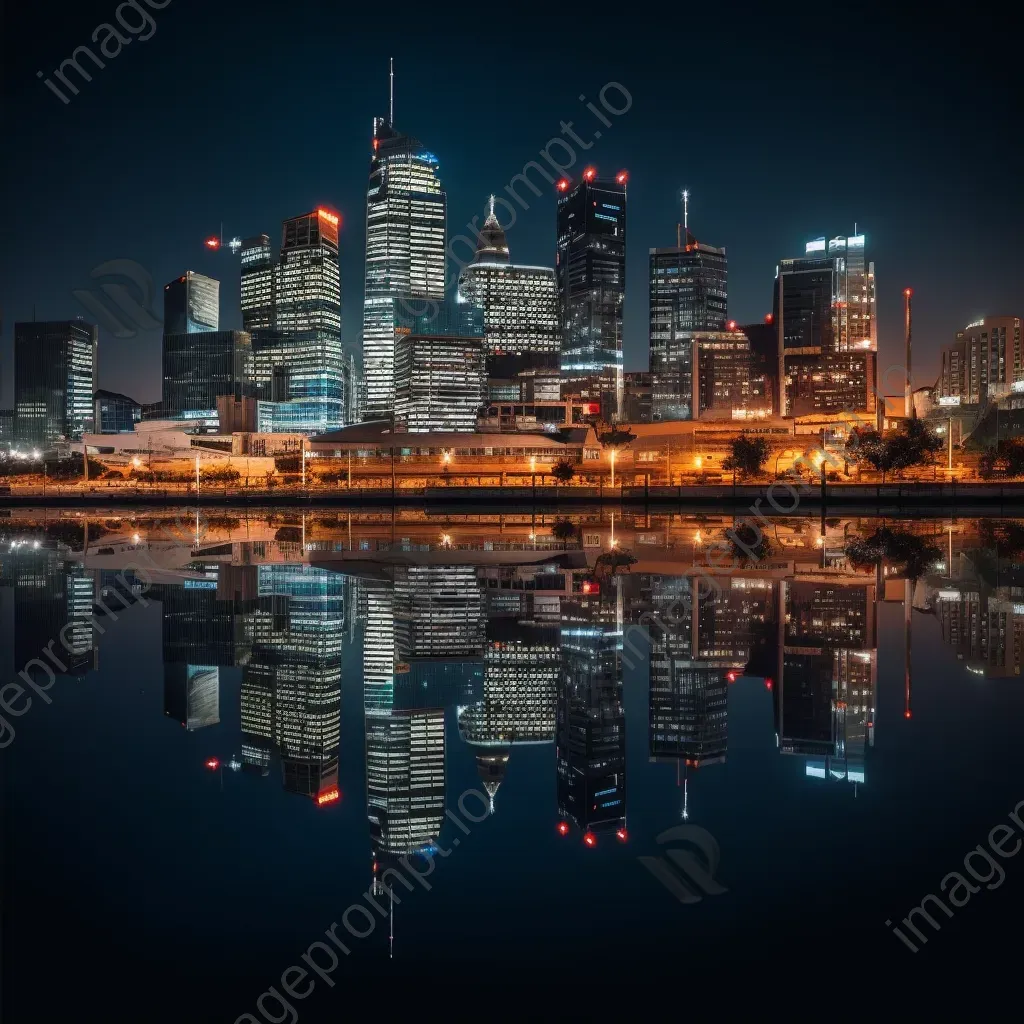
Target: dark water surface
(260, 726)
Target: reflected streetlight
(612, 458)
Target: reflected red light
(212, 763)
(906, 714)
(908, 291)
(328, 796)
(376, 143)
(731, 677)
(212, 243)
(563, 828)
(768, 684)
(622, 835)
(590, 839)
(563, 184)
(621, 177)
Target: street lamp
(136, 461)
(698, 462)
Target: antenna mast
(391, 100)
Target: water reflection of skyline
(525, 653)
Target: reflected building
(522, 665)
(405, 746)
(825, 700)
(291, 684)
(590, 744)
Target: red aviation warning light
(731, 676)
(590, 173)
(212, 242)
(563, 828)
(212, 763)
(908, 292)
(767, 684)
(563, 185)
(622, 835)
(589, 839)
(622, 177)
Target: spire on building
(491, 245)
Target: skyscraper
(405, 251)
(199, 367)
(299, 362)
(825, 315)
(591, 272)
(258, 283)
(688, 290)
(191, 304)
(308, 292)
(54, 381)
(439, 369)
(520, 303)
(986, 360)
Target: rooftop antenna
(491, 206)
(686, 209)
(391, 102)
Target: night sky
(784, 125)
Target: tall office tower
(54, 381)
(439, 368)
(825, 316)
(591, 271)
(985, 361)
(590, 742)
(200, 366)
(259, 271)
(406, 241)
(299, 363)
(520, 303)
(191, 304)
(308, 278)
(707, 372)
(688, 291)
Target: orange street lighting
(697, 539)
(698, 462)
(446, 457)
(446, 540)
(612, 457)
(136, 462)
(533, 463)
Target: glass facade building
(199, 367)
(191, 304)
(54, 381)
(591, 272)
(520, 303)
(688, 291)
(406, 236)
(114, 413)
(259, 272)
(825, 315)
(985, 360)
(440, 368)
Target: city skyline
(759, 212)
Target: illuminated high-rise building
(54, 381)
(520, 303)
(825, 316)
(405, 252)
(258, 283)
(300, 369)
(591, 272)
(191, 304)
(986, 360)
(405, 748)
(199, 367)
(590, 751)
